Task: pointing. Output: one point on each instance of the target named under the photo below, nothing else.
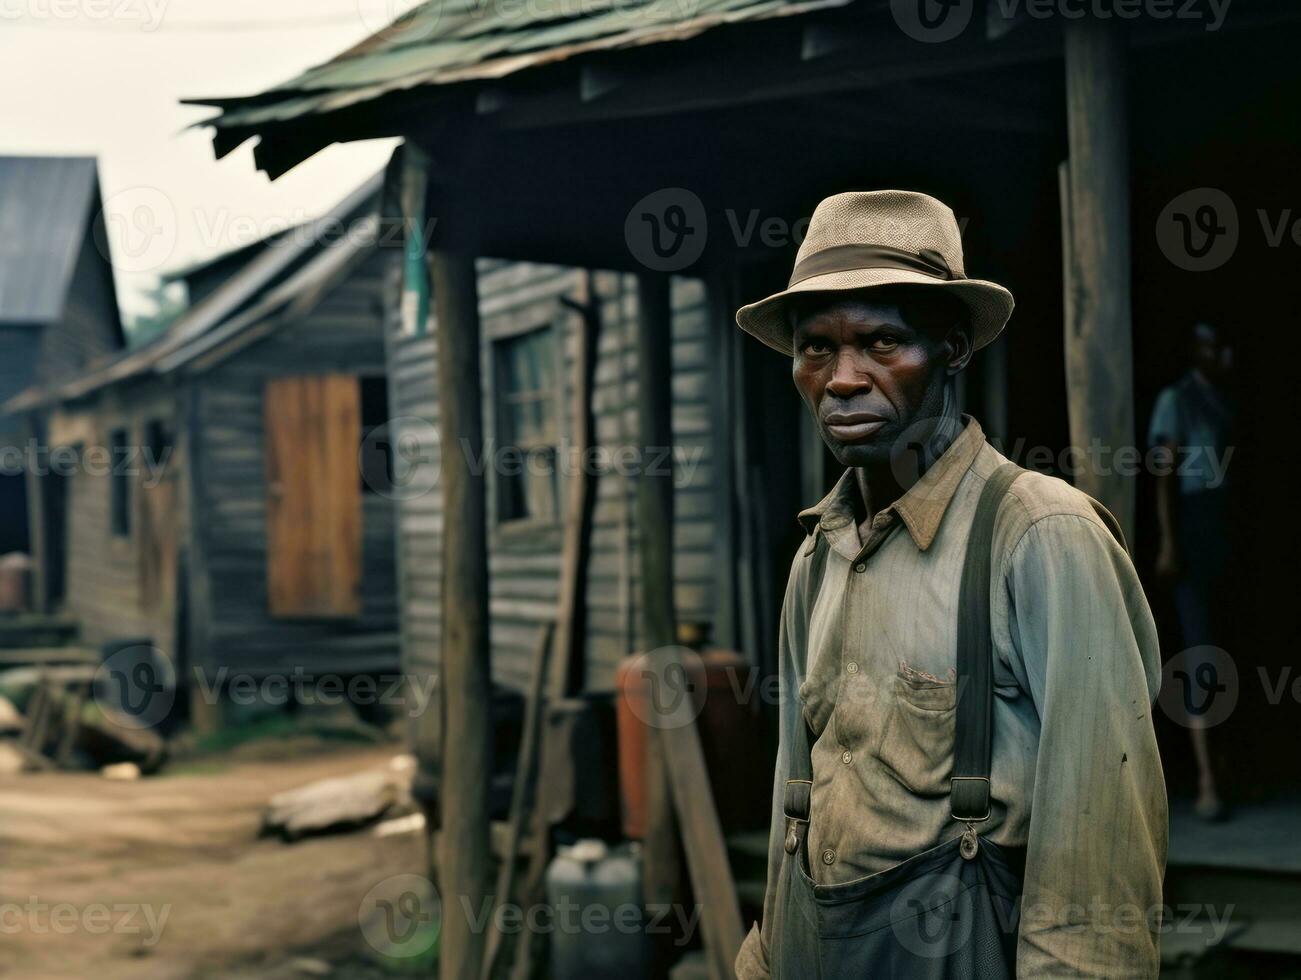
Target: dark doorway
(13, 505)
(55, 563)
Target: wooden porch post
(655, 550)
(466, 674)
(678, 792)
(1096, 219)
(37, 519)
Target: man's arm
(1088, 653)
(752, 961)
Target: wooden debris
(339, 804)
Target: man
(1192, 422)
(879, 319)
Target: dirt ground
(166, 877)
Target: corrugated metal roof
(290, 275)
(447, 41)
(47, 205)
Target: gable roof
(48, 206)
(442, 42)
(288, 276)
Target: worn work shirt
(1076, 778)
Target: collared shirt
(1076, 778)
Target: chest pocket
(916, 746)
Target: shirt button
(846, 757)
(861, 567)
(852, 667)
(828, 856)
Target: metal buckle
(988, 807)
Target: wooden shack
(238, 525)
(529, 313)
(58, 304)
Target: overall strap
(799, 783)
(969, 789)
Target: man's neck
(881, 484)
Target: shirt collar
(921, 507)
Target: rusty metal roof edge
(330, 100)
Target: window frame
(500, 400)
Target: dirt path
(166, 878)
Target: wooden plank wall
(344, 333)
(524, 563)
(106, 589)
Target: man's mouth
(852, 426)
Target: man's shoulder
(1035, 496)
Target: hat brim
(990, 304)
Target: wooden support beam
(464, 851)
(655, 431)
(1099, 343)
(661, 877)
(38, 544)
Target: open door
(312, 427)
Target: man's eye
(885, 344)
(816, 347)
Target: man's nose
(849, 375)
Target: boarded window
(527, 430)
(119, 502)
(313, 496)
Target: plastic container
(597, 928)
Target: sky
(103, 78)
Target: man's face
(1210, 354)
(869, 376)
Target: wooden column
(655, 551)
(678, 790)
(466, 688)
(37, 519)
(1099, 354)
(655, 431)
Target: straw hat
(866, 239)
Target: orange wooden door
(313, 427)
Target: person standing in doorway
(1192, 422)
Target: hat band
(852, 258)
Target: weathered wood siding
(524, 562)
(107, 589)
(343, 333)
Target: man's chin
(866, 453)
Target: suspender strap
(799, 786)
(969, 789)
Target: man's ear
(960, 348)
